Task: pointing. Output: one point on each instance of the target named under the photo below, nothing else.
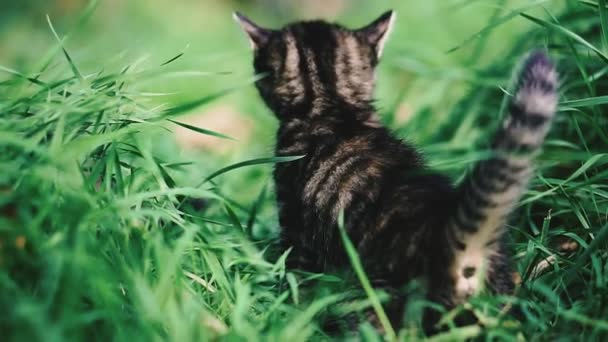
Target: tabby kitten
(405, 220)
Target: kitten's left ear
(378, 31)
(258, 36)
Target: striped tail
(494, 186)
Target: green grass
(109, 230)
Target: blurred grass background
(100, 237)
(217, 55)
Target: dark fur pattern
(405, 220)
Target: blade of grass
(589, 3)
(65, 52)
(365, 283)
(588, 102)
(604, 21)
(255, 208)
(457, 334)
(584, 320)
(202, 130)
(497, 22)
(270, 160)
(20, 75)
(296, 327)
(600, 238)
(188, 106)
(567, 33)
(232, 216)
(173, 59)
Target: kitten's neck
(330, 110)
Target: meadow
(136, 199)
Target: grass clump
(97, 237)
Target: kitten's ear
(258, 36)
(378, 31)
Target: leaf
(232, 216)
(255, 208)
(600, 238)
(457, 334)
(589, 3)
(20, 75)
(65, 52)
(87, 143)
(293, 286)
(172, 59)
(296, 329)
(202, 130)
(495, 24)
(589, 163)
(355, 261)
(188, 106)
(565, 32)
(137, 198)
(166, 176)
(604, 20)
(585, 320)
(120, 184)
(588, 102)
(270, 160)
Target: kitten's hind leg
(500, 275)
(494, 186)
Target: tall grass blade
(201, 130)
(271, 160)
(65, 52)
(567, 33)
(365, 283)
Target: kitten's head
(310, 66)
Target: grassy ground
(111, 230)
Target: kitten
(405, 220)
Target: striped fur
(489, 193)
(405, 220)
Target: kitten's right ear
(378, 31)
(258, 36)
